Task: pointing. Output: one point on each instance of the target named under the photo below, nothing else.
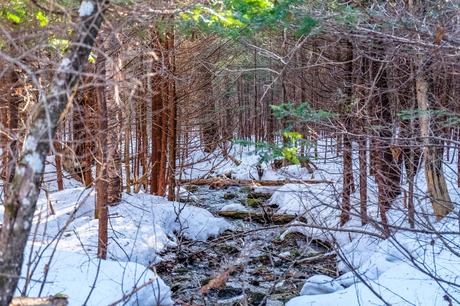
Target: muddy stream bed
(249, 265)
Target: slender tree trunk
(13, 123)
(58, 161)
(145, 144)
(126, 151)
(411, 175)
(164, 142)
(156, 135)
(388, 172)
(363, 179)
(4, 138)
(458, 161)
(347, 179)
(113, 108)
(89, 103)
(102, 156)
(172, 118)
(433, 155)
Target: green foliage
(270, 151)
(15, 11)
(302, 113)
(307, 24)
(344, 13)
(92, 58)
(42, 19)
(59, 44)
(61, 296)
(19, 12)
(289, 150)
(442, 117)
(245, 17)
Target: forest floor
(253, 264)
(185, 253)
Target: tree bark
(363, 179)
(433, 155)
(58, 161)
(102, 157)
(172, 117)
(347, 179)
(113, 109)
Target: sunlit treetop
(243, 17)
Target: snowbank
(88, 280)
(409, 268)
(141, 226)
(64, 245)
(403, 270)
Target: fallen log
(220, 182)
(260, 217)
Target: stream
(249, 265)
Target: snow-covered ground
(412, 267)
(88, 280)
(61, 255)
(418, 267)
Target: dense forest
(232, 152)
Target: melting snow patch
(65, 64)
(320, 284)
(86, 8)
(234, 207)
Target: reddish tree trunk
(58, 161)
(363, 179)
(172, 119)
(101, 165)
(347, 179)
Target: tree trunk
(102, 156)
(363, 179)
(172, 118)
(58, 161)
(13, 123)
(113, 108)
(433, 155)
(126, 151)
(347, 179)
(156, 135)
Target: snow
(234, 207)
(65, 64)
(33, 160)
(320, 284)
(86, 8)
(399, 269)
(213, 164)
(74, 275)
(185, 195)
(398, 282)
(141, 226)
(409, 268)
